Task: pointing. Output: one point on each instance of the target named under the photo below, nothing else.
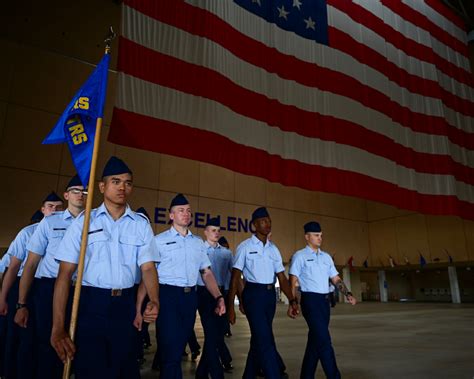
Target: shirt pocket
(168, 252)
(56, 238)
(130, 246)
(97, 246)
(254, 263)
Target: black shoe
(194, 355)
(227, 367)
(228, 334)
(284, 375)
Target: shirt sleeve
(332, 269)
(149, 252)
(277, 261)
(17, 248)
(70, 246)
(239, 259)
(39, 240)
(295, 266)
(205, 261)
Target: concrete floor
(371, 340)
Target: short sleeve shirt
(181, 258)
(45, 242)
(258, 262)
(313, 270)
(221, 264)
(18, 247)
(115, 248)
(4, 263)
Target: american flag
(366, 98)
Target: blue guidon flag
(77, 124)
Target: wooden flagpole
(85, 228)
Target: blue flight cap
(143, 211)
(223, 241)
(312, 227)
(74, 182)
(179, 199)
(214, 221)
(115, 166)
(37, 217)
(52, 197)
(259, 213)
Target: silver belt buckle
(187, 289)
(269, 286)
(116, 292)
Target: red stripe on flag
(415, 84)
(409, 46)
(131, 129)
(167, 71)
(448, 13)
(420, 20)
(203, 23)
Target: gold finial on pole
(110, 36)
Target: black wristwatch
(219, 297)
(294, 301)
(349, 293)
(21, 305)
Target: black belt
(114, 292)
(260, 285)
(184, 289)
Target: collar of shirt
(208, 245)
(128, 212)
(256, 241)
(66, 214)
(311, 251)
(175, 233)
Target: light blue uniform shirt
(258, 262)
(181, 258)
(18, 248)
(313, 270)
(221, 264)
(4, 263)
(45, 242)
(115, 249)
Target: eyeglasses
(77, 191)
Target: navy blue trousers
(193, 342)
(316, 311)
(20, 349)
(175, 323)
(49, 364)
(3, 342)
(259, 301)
(209, 364)
(106, 338)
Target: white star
(257, 1)
(297, 4)
(310, 24)
(283, 13)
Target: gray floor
(372, 340)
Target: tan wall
(47, 52)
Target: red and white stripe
(372, 115)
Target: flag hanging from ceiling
(365, 98)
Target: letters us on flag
(366, 98)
